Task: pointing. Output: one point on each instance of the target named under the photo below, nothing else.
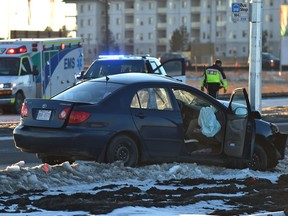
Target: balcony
(195, 25)
(195, 9)
(161, 25)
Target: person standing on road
(214, 79)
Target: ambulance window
(25, 67)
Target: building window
(118, 7)
(184, 4)
(244, 33)
(243, 49)
(82, 8)
(208, 20)
(150, 20)
(219, 2)
(204, 35)
(82, 23)
(89, 38)
(174, 21)
(89, 22)
(234, 36)
(141, 36)
(271, 3)
(150, 35)
(151, 6)
(118, 21)
(89, 7)
(271, 34)
(184, 20)
(118, 36)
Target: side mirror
(35, 71)
(256, 114)
(80, 75)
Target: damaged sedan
(140, 118)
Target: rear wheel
(19, 99)
(259, 160)
(123, 148)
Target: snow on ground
(84, 176)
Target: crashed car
(140, 118)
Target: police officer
(214, 79)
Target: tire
(259, 160)
(52, 160)
(19, 100)
(123, 148)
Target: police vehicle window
(25, 67)
(154, 65)
(152, 98)
(93, 71)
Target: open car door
(175, 68)
(240, 127)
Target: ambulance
(37, 68)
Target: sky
(83, 177)
(14, 15)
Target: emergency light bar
(18, 50)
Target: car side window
(152, 98)
(199, 113)
(239, 104)
(25, 67)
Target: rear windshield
(91, 92)
(108, 67)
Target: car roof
(124, 57)
(137, 78)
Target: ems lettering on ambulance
(62, 69)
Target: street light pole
(107, 26)
(255, 55)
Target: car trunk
(46, 113)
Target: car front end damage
(273, 137)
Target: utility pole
(255, 55)
(107, 26)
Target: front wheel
(259, 160)
(123, 148)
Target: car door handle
(140, 115)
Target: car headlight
(6, 85)
(274, 128)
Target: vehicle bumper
(7, 101)
(78, 143)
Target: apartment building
(146, 26)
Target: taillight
(24, 110)
(76, 117)
(64, 113)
